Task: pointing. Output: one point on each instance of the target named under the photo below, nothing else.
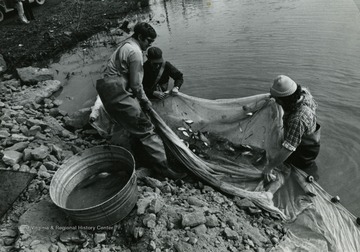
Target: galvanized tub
(115, 162)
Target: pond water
(232, 48)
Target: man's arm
(175, 74)
(135, 78)
(275, 161)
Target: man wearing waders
(124, 99)
(301, 143)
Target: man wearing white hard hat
(301, 143)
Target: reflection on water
(235, 48)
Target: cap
(154, 54)
(283, 86)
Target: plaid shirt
(301, 121)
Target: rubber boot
(20, 10)
(154, 146)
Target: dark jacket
(151, 71)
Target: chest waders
(125, 109)
(305, 154)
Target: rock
(51, 166)
(39, 219)
(152, 182)
(193, 219)
(11, 157)
(149, 220)
(56, 127)
(33, 75)
(78, 119)
(195, 201)
(4, 134)
(36, 122)
(12, 84)
(71, 236)
(138, 232)
(212, 221)
(33, 130)
(156, 205)
(152, 245)
(27, 154)
(19, 138)
(56, 150)
(200, 230)
(99, 238)
(53, 248)
(8, 233)
(40, 153)
(21, 146)
(62, 247)
(24, 168)
(3, 66)
(275, 240)
(183, 247)
(35, 95)
(244, 203)
(46, 89)
(230, 234)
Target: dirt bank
(59, 25)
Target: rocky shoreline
(183, 215)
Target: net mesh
(225, 142)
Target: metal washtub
(86, 164)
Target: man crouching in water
(301, 142)
(124, 99)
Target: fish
(181, 128)
(93, 179)
(203, 138)
(249, 114)
(188, 121)
(245, 146)
(185, 133)
(247, 153)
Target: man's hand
(175, 91)
(160, 95)
(268, 174)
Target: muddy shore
(170, 215)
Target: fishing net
(226, 143)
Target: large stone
(193, 219)
(43, 221)
(21, 146)
(46, 89)
(33, 75)
(11, 157)
(78, 119)
(35, 95)
(40, 153)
